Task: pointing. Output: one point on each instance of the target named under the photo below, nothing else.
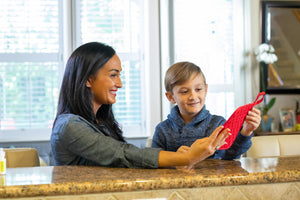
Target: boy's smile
(189, 96)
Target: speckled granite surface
(70, 180)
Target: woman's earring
(87, 84)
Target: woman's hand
(252, 121)
(205, 147)
(199, 150)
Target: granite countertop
(70, 180)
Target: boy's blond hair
(179, 73)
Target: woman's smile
(113, 92)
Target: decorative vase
(266, 123)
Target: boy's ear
(170, 97)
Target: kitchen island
(246, 178)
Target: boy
(189, 120)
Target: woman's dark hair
(75, 97)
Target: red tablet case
(236, 120)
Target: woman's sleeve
(81, 139)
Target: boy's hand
(252, 121)
(183, 149)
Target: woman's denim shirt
(75, 141)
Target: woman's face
(105, 85)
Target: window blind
(29, 63)
(120, 24)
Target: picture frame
(270, 12)
(287, 119)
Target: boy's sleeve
(158, 140)
(241, 144)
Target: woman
(85, 131)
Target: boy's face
(189, 96)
